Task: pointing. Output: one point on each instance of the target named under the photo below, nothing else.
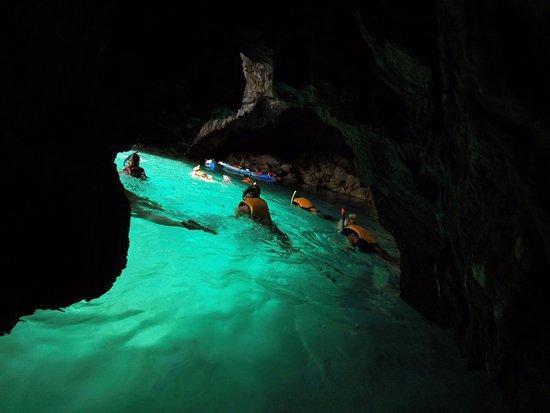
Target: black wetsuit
(365, 246)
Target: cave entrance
(296, 132)
(295, 144)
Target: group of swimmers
(359, 237)
(144, 208)
(253, 206)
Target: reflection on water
(235, 322)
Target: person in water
(132, 168)
(256, 208)
(141, 208)
(303, 203)
(360, 238)
(253, 191)
(309, 206)
(201, 174)
(345, 220)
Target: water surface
(237, 322)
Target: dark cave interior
(438, 105)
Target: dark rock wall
(468, 205)
(492, 208)
(69, 103)
(312, 152)
(441, 102)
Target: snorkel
(292, 199)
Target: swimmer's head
(134, 159)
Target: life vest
(258, 209)
(304, 203)
(362, 233)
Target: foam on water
(236, 322)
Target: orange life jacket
(362, 233)
(258, 209)
(305, 204)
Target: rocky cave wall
(439, 101)
(269, 133)
(70, 103)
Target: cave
(292, 133)
(434, 110)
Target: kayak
(210, 164)
(230, 169)
(247, 172)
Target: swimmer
(141, 201)
(141, 207)
(361, 238)
(307, 205)
(132, 168)
(226, 179)
(256, 208)
(344, 221)
(197, 173)
(303, 203)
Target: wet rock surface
(317, 170)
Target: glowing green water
(233, 322)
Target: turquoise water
(236, 322)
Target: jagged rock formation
(259, 79)
(332, 172)
(268, 123)
(320, 170)
(437, 103)
(258, 110)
